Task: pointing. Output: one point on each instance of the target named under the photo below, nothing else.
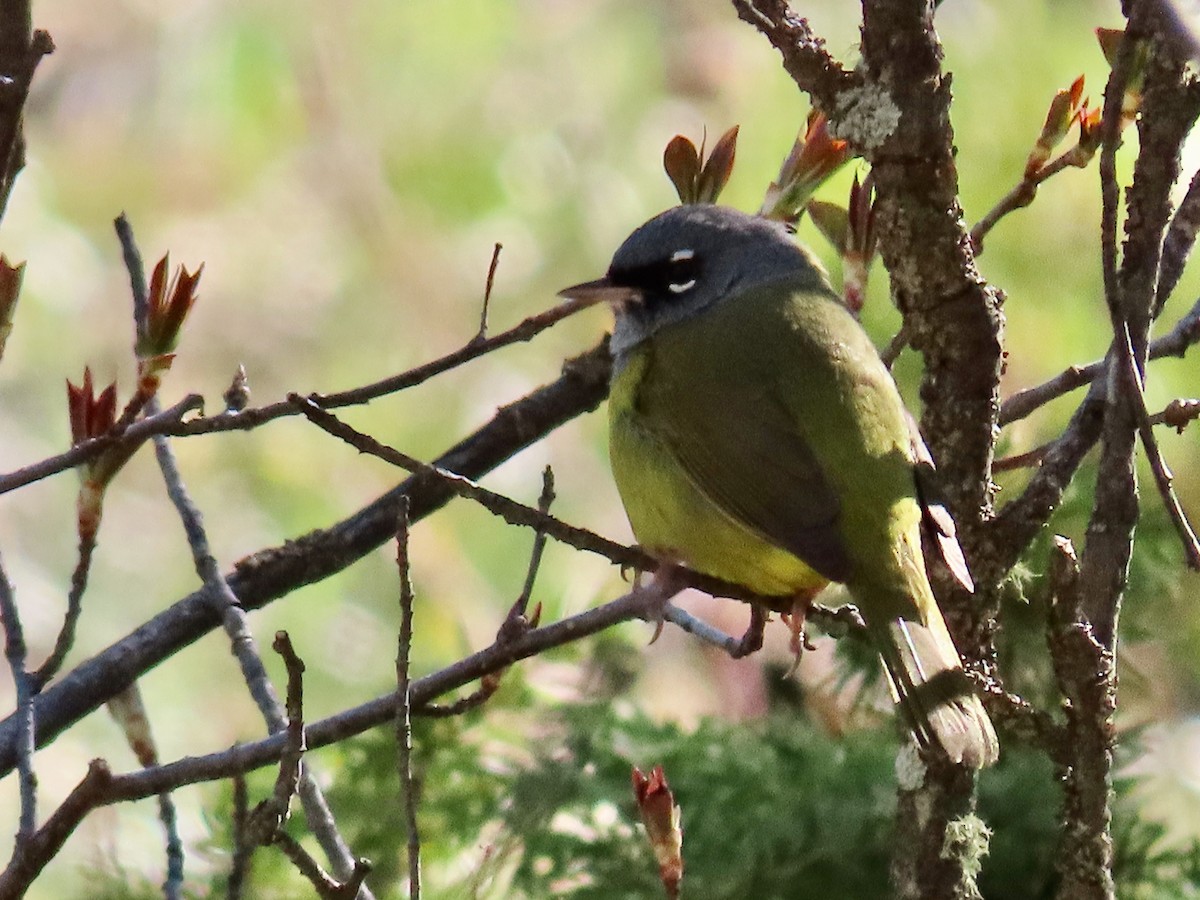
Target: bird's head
(690, 259)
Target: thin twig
(895, 347)
(15, 653)
(45, 844)
(1178, 414)
(519, 514)
(1019, 197)
(249, 419)
(273, 572)
(265, 825)
(805, 58)
(408, 788)
(288, 781)
(327, 888)
(1176, 342)
(162, 423)
(488, 685)
(1158, 465)
(1017, 716)
(243, 847)
(1029, 459)
(545, 500)
(66, 633)
(173, 886)
(1177, 245)
(702, 630)
(487, 294)
(233, 617)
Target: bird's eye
(666, 277)
(683, 270)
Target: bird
(756, 436)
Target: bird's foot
(752, 640)
(665, 583)
(796, 620)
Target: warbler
(756, 436)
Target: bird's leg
(796, 620)
(665, 583)
(752, 640)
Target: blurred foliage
(343, 171)
(775, 808)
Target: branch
(408, 789)
(1178, 244)
(1018, 198)
(233, 617)
(21, 49)
(1086, 675)
(249, 419)
(274, 572)
(15, 653)
(901, 118)
(501, 654)
(805, 58)
(515, 513)
(165, 422)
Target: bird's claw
(799, 641)
(752, 640)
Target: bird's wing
(745, 451)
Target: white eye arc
(681, 288)
(682, 255)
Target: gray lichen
(866, 117)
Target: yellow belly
(674, 520)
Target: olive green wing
(744, 450)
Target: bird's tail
(931, 690)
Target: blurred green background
(343, 171)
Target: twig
(15, 653)
(66, 633)
(243, 847)
(1019, 197)
(1178, 414)
(1029, 459)
(408, 788)
(173, 886)
(249, 419)
(539, 547)
(48, 840)
(327, 888)
(21, 55)
(1177, 245)
(487, 294)
(1176, 342)
(895, 347)
(273, 572)
(162, 423)
(288, 781)
(805, 58)
(220, 594)
(515, 513)
(1018, 717)
(1162, 474)
(267, 821)
(488, 685)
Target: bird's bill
(602, 291)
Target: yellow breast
(671, 517)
